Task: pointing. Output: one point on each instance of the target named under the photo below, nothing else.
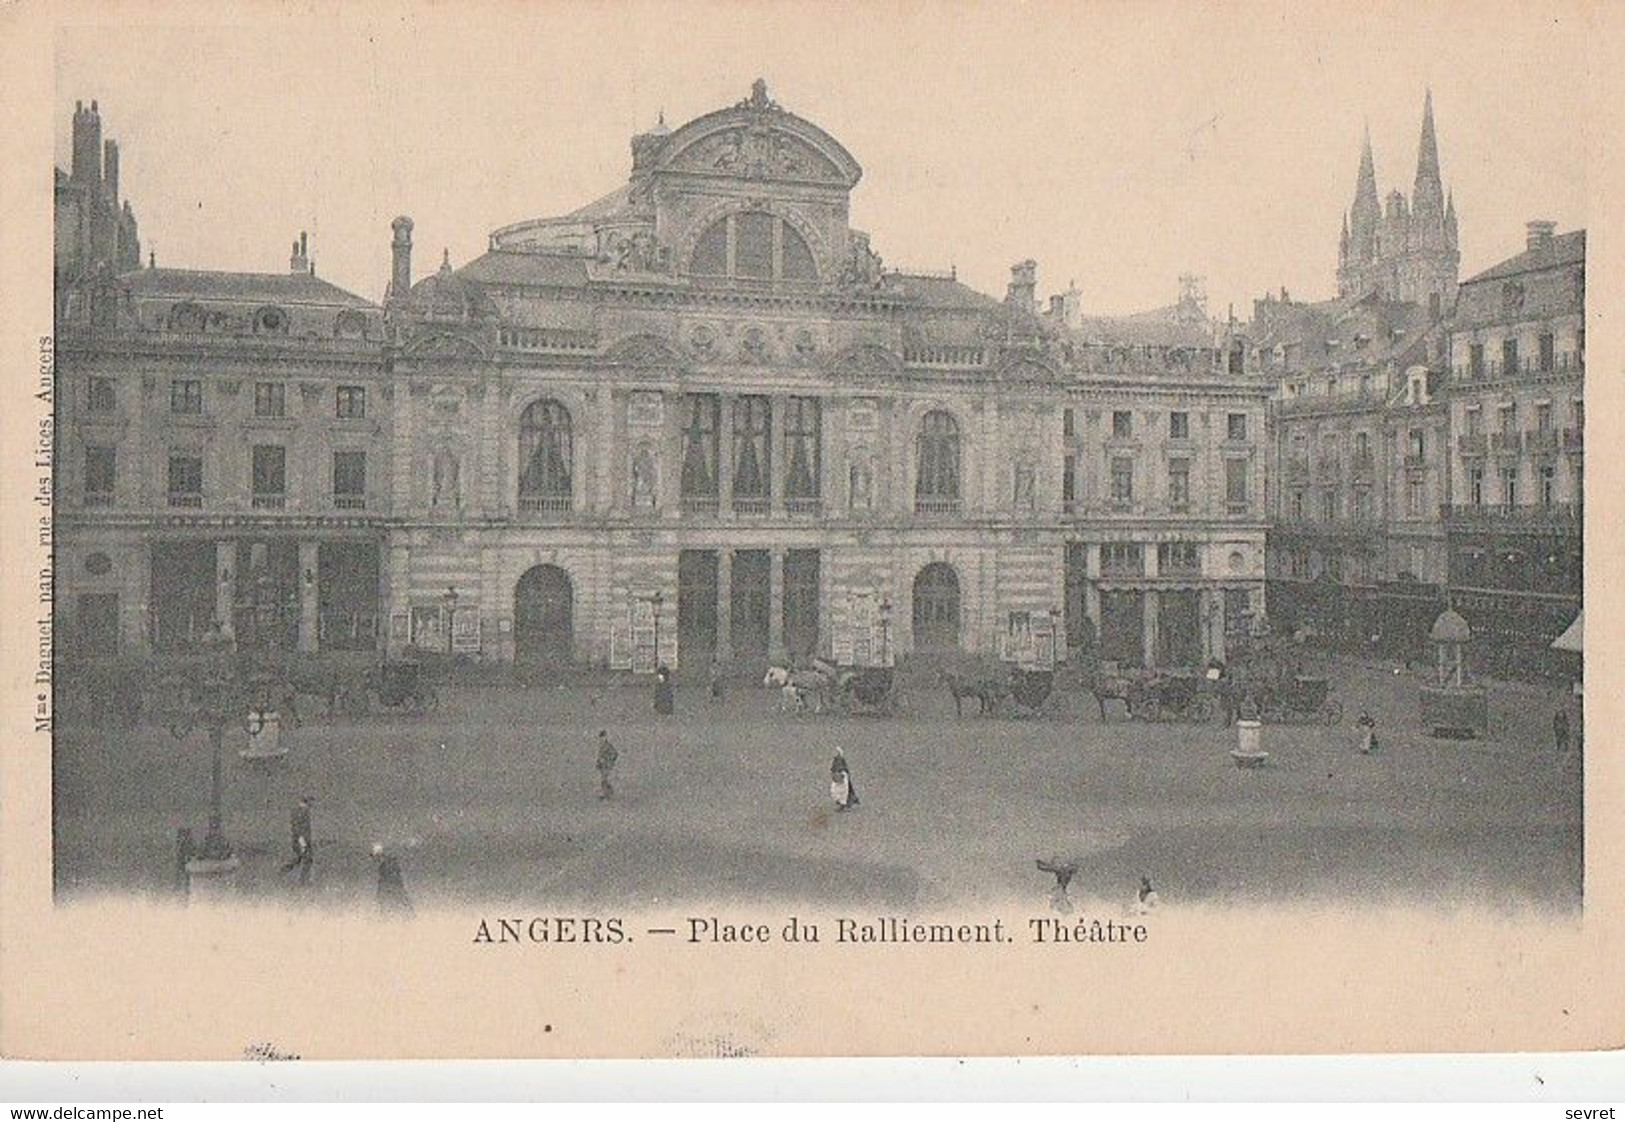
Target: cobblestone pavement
(494, 796)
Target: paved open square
(494, 797)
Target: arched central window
(544, 457)
(753, 245)
(936, 486)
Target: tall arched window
(754, 245)
(544, 457)
(936, 486)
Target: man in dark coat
(665, 699)
(607, 755)
(392, 897)
(304, 846)
(1560, 731)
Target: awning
(1570, 640)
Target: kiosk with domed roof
(1451, 705)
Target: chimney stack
(299, 259)
(1023, 291)
(400, 275)
(1540, 233)
(87, 143)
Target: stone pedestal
(1249, 751)
(212, 878)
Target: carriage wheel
(1332, 713)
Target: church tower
(1407, 251)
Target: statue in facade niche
(863, 267)
(861, 484)
(445, 480)
(645, 480)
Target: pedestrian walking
(392, 897)
(716, 680)
(304, 846)
(665, 696)
(606, 765)
(1560, 731)
(841, 787)
(1367, 727)
(1146, 899)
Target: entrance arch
(544, 617)
(936, 608)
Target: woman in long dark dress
(664, 694)
(841, 787)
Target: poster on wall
(428, 631)
(620, 645)
(400, 628)
(465, 631)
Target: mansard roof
(1563, 249)
(247, 288)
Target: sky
(1117, 144)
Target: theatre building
(697, 416)
(222, 457)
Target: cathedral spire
(1365, 188)
(1427, 194)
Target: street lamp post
(657, 600)
(885, 631)
(451, 613)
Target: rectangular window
(1413, 498)
(1509, 486)
(752, 454)
(1178, 557)
(702, 412)
(1068, 423)
(1328, 506)
(1475, 360)
(803, 436)
(101, 474)
(1362, 505)
(186, 481)
(1548, 352)
(1362, 447)
(1069, 482)
(350, 402)
(1179, 484)
(1418, 445)
(186, 396)
(1122, 480)
(1509, 418)
(270, 481)
(1475, 486)
(350, 480)
(1548, 485)
(270, 399)
(1543, 416)
(1475, 422)
(1298, 505)
(1579, 416)
(1509, 356)
(1122, 424)
(1179, 426)
(1122, 559)
(1235, 486)
(101, 396)
(1236, 426)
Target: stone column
(778, 405)
(1152, 603)
(309, 599)
(775, 605)
(1091, 585)
(725, 469)
(225, 590)
(725, 605)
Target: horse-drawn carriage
(1149, 695)
(1301, 698)
(398, 684)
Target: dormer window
(753, 245)
(271, 321)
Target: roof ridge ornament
(758, 99)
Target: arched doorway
(936, 608)
(544, 618)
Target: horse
(1105, 687)
(988, 690)
(795, 685)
